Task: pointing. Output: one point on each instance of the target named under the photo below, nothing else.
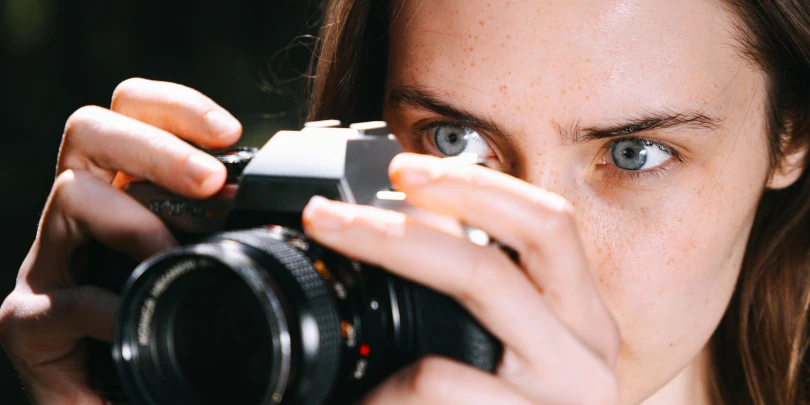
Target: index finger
(178, 109)
(535, 222)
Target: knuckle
(68, 193)
(81, 119)
(7, 310)
(66, 183)
(63, 184)
(76, 127)
(20, 309)
(124, 91)
(428, 378)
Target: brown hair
(760, 350)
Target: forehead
(584, 54)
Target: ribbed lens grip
(318, 296)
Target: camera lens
(222, 322)
(217, 338)
(265, 316)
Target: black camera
(249, 311)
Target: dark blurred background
(58, 55)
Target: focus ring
(317, 294)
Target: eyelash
(613, 172)
(420, 133)
(422, 129)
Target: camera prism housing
(250, 311)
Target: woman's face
(643, 114)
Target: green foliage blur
(58, 55)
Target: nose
(555, 174)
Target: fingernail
(221, 124)
(201, 167)
(324, 214)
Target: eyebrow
(424, 99)
(650, 121)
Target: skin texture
(665, 249)
(43, 320)
(622, 275)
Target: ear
(789, 169)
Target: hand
(560, 340)
(43, 320)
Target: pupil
(452, 137)
(629, 153)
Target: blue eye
(639, 154)
(453, 140)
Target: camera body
(251, 311)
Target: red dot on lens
(364, 350)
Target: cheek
(667, 261)
(659, 260)
(667, 272)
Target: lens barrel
(243, 319)
(265, 316)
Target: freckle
(587, 59)
(494, 106)
(508, 37)
(481, 22)
(587, 97)
(472, 63)
(671, 344)
(563, 92)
